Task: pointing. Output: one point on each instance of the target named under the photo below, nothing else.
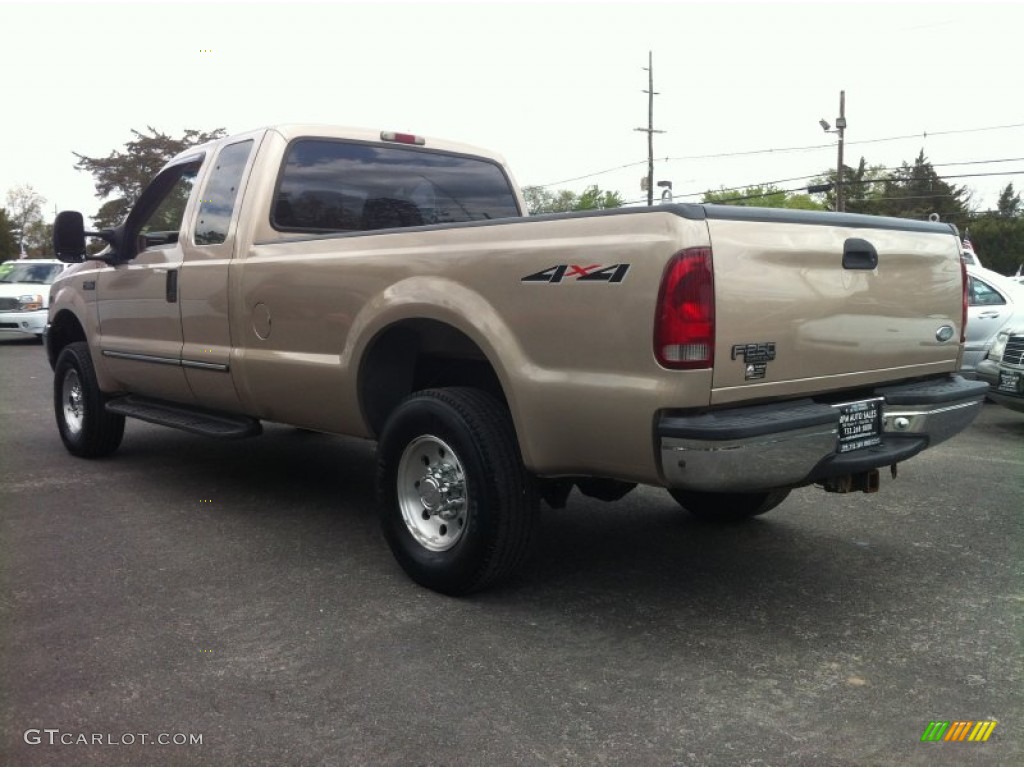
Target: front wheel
(85, 426)
(728, 507)
(457, 506)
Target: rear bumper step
(797, 443)
(198, 421)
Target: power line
(591, 175)
(849, 182)
(871, 181)
(807, 148)
(925, 134)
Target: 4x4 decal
(593, 273)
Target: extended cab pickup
(389, 287)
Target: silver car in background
(994, 302)
(1003, 368)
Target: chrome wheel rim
(432, 493)
(72, 400)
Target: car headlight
(995, 352)
(30, 302)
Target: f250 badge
(756, 356)
(594, 273)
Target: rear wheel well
(65, 329)
(416, 355)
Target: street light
(840, 127)
(666, 192)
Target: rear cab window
(329, 185)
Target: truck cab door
(138, 303)
(209, 248)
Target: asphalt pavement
(194, 602)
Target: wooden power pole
(840, 128)
(649, 130)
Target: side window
(983, 295)
(221, 193)
(167, 198)
(336, 186)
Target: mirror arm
(107, 235)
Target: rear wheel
(457, 507)
(84, 424)
(728, 507)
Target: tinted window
(41, 274)
(982, 294)
(221, 193)
(336, 186)
(163, 224)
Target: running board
(194, 420)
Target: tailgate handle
(859, 254)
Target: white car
(25, 294)
(1003, 369)
(993, 303)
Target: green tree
(8, 243)
(762, 196)
(24, 208)
(122, 175)
(998, 241)
(540, 200)
(917, 191)
(1009, 202)
(39, 239)
(863, 188)
(594, 198)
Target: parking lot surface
(240, 592)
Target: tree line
(912, 190)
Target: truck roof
(290, 131)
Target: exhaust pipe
(863, 481)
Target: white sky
(556, 88)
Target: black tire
(85, 426)
(727, 508)
(443, 446)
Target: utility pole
(840, 127)
(649, 130)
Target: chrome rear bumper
(796, 443)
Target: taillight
(964, 301)
(684, 326)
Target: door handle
(990, 315)
(859, 254)
(172, 286)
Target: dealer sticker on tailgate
(860, 424)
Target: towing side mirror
(69, 236)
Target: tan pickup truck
(388, 286)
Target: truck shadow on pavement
(638, 554)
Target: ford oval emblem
(944, 333)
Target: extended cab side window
(161, 208)
(221, 193)
(337, 186)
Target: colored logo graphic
(959, 730)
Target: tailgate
(794, 315)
